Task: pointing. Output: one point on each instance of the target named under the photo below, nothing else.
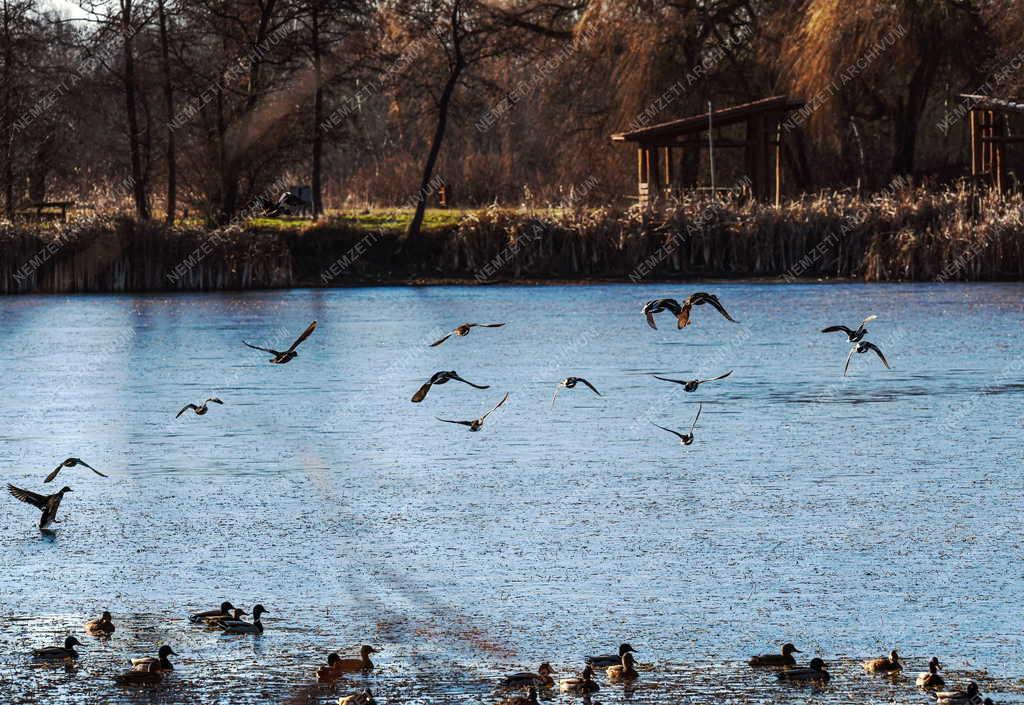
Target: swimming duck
(288, 355)
(931, 678)
(685, 438)
(158, 663)
(329, 672)
(691, 385)
(583, 685)
(233, 626)
(363, 663)
(884, 665)
(363, 697)
(781, 660)
(960, 697)
(605, 660)
(531, 699)
(201, 409)
(682, 311)
(625, 670)
(54, 653)
(854, 336)
(48, 504)
(442, 378)
(71, 462)
(570, 383)
(104, 626)
(150, 674)
(224, 611)
(477, 424)
(862, 347)
(464, 330)
(814, 673)
(542, 678)
(219, 620)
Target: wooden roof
(722, 117)
(986, 102)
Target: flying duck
(224, 611)
(814, 673)
(624, 671)
(862, 347)
(889, 664)
(854, 336)
(288, 355)
(201, 409)
(605, 660)
(542, 678)
(354, 665)
(329, 672)
(47, 503)
(55, 653)
(685, 438)
(150, 674)
(691, 385)
(781, 660)
(584, 685)
(682, 311)
(570, 383)
(160, 662)
(233, 626)
(104, 626)
(442, 378)
(464, 330)
(960, 697)
(363, 697)
(531, 699)
(70, 463)
(931, 678)
(477, 424)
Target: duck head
(894, 657)
(789, 650)
(226, 607)
(64, 490)
(365, 650)
(257, 611)
(332, 659)
(165, 651)
(625, 649)
(71, 642)
(817, 664)
(546, 669)
(972, 689)
(934, 665)
(105, 617)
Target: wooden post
(778, 164)
(974, 143)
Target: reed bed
(912, 235)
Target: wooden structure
(659, 146)
(990, 133)
(46, 210)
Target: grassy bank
(947, 235)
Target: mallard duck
(814, 673)
(224, 611)
(200, 409)
(682, 311)
(104, 626)
(690, 385)
(542, 678)
(443, 377)
(70, 463)
(363, 697)
(232, 626)
(288, 355)
(570, 383)
(530, 699)
(931, 678)
(48, 504)
(605, 660)
(853, 336)
(158, 663)
(580, 686)
(624, 671)
(781, 660)
(884, 665)
(329, 672)
(477, 424)
(54, 653)
(685, 438)
(862, 347)
(464, 329)
(149, 674)
(219, 620)
(363, 663)
(960, 697)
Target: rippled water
(849, 516)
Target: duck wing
(674, 433)
(53, 475)
(503, 400)
(305, 334)
(82, 462)
(872, 346)
(649, 314)
(715, 379)
(215, 400)
(266, 350)
(713, 300)
(488, 325)
(700, 408)
(848, 358)
(186, 408)
(421, 393)
(592, 387)
(558, 388)
(36, 500)
(666, 379)
(478, 386)
(866, 321)
(836, 329)
(438, 342)
(461, 423)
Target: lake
(847, 515)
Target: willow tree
(879, 61)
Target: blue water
(848, 515)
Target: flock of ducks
(618, 667)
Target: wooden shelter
(990, 133)
(659, 146)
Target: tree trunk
(6, 117)
(165, 68)
(318, 109)
(138, 185)
(909, 114)
(442, 124)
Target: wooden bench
(46, 210)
